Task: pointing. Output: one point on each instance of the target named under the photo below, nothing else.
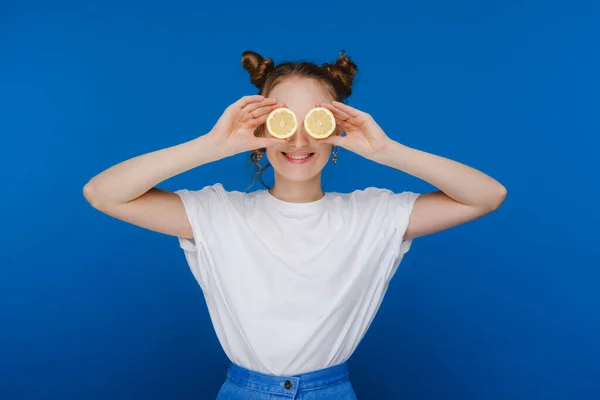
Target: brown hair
(336, 78)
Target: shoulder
(211, 197)
(379, 205)
(381, 197)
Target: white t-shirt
(293, 287)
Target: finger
(267, 141)
(242, 102)
(345, 120)
(257, 104)
(337, 113)
(353, 112)
(261, 119)
(334, 140)
(264, 110)
(346, 125)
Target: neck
(297, 191)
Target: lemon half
(319, 123)
(282, 123)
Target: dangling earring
(334, 157)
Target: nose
(300, 138)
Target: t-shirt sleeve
(387, 213)
(400, 208)
(199, 206)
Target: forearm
(458, 181)
(133, 177)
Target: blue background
(505, 307)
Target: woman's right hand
(127, 191)
(234, 131)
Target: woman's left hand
(363, 135)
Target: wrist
(208, 149)
(391, 154)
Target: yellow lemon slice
(319, 123)
(282, 123)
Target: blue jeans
(330, 383)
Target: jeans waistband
(287, 385)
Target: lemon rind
(328, 112)
(270, 117)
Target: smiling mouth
(298, 158)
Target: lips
(298, 157)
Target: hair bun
(343, 71)
(257, 66)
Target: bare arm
(127, 191)
(464, 194)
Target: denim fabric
(331, 383)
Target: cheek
(272, 154)
(325, 150)
(323, 154)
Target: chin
(302, 166)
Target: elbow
(90, 193)
(497, 198)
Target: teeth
(298, 157)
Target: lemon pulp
(281, 123)
(319, 122)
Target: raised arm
(127, 191)
(464, 194)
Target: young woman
(293, 276)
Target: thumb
(267, 141)
(334, 140)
